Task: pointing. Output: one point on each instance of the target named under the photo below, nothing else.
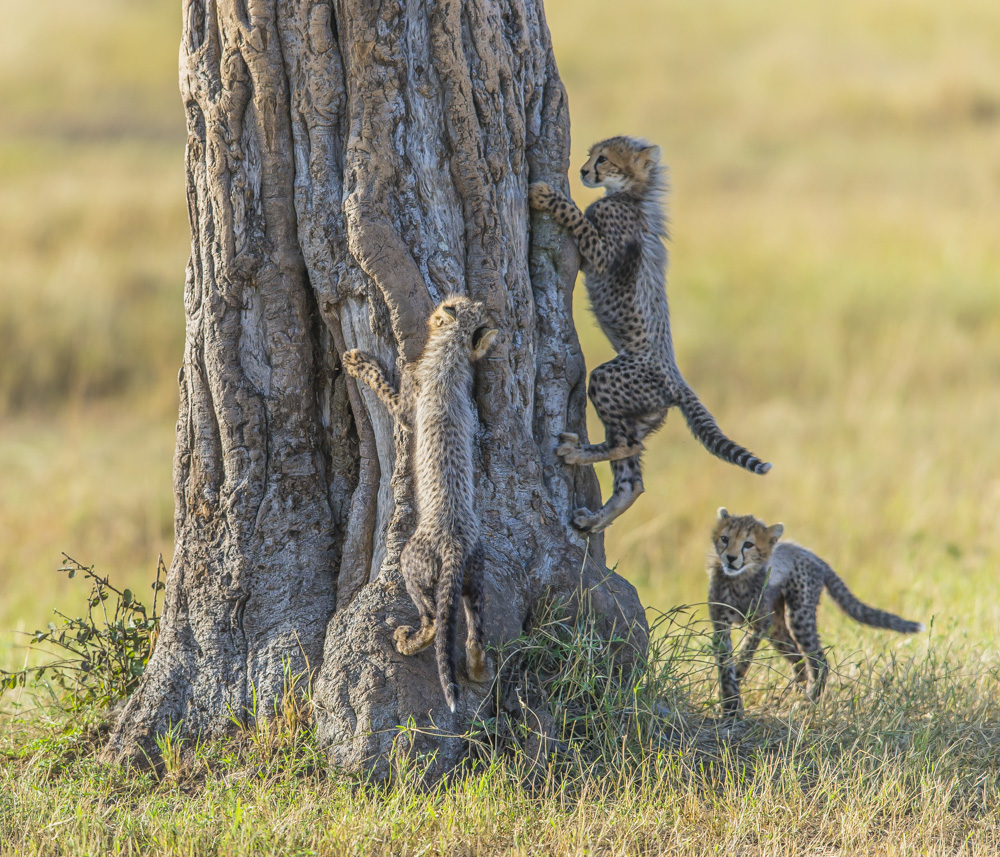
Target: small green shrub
(104, 653)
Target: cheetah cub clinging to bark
(775, 588)
(444, 556)
(621, 241)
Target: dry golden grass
(900, 757)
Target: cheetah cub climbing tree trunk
(624, 260)
(444, 556)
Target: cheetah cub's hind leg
(472, 598)
(616, 389)
(627, 488)
(781, 639)
(631, 402)
(418, 564)
(806, 636)
(572, 451)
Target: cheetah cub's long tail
(704, 427)
(861, 612)
(449, 589)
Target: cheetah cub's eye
(724, 539)
(747, 545)
(600, 159)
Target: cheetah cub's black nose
(730, 558)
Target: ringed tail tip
(451, 696)
(921, 627)
(763, 467)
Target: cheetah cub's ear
(482, 339)
(774, 533)
(723, 513)
(648, 156)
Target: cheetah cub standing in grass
(444, 556)
(775, 588)
(621, 241)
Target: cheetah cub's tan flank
(444, 556)
(621, 241)
(775, 588)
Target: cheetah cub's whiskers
(620, 239)
(444, 557)
(775, 588)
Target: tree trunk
(348, 165)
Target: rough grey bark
(349, 164)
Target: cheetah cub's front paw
(569, 448)
(352, 362)
(540, 195)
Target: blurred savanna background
(834, 286)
